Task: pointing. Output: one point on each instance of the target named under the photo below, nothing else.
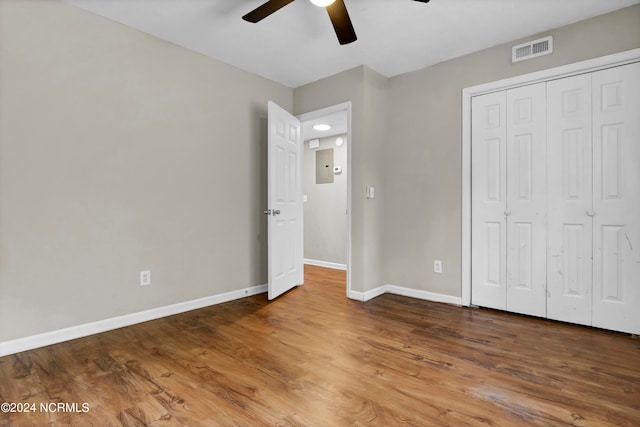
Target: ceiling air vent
(532, 49)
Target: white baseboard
(407, 292)
(325, 264)
(73, 332)
(66, 334)
(425, 295)
(368, 295)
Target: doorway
(327, 200)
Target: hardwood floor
(315, 358)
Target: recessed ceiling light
(322, 3)
(322, 126)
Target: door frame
(588, 66)
(316, 114)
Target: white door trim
(345, 106)
(590, 65)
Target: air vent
(532, 49)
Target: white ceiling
(297, 44)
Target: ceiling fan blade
(261, 12)
(341, 22)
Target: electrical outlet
(437, 266)
(145, 278)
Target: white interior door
(616, 204)
(488, 200)
(284, 212)
(526, 200)
(570, 201)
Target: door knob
(276, 212)
(590, 212)
(507, 213)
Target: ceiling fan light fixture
(322, 3)
(321, 127)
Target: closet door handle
(590, 212)
(507, 213)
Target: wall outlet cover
(145, 278)
(437, 266)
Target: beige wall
(367, 91)
(423, 172)
(371, 151)
(120, 153)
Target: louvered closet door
(570, 201)
(488, 200)
(616, 147)
(526, 200)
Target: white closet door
(526, 200)
(488, 200)
(570, 201)
(616, 146)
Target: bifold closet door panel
(526, 200)
(488, 200)
(570, 200)
(616, 147)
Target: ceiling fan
(336, 9)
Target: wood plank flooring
(315, 358)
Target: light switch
(305, 199)
(370, 192)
